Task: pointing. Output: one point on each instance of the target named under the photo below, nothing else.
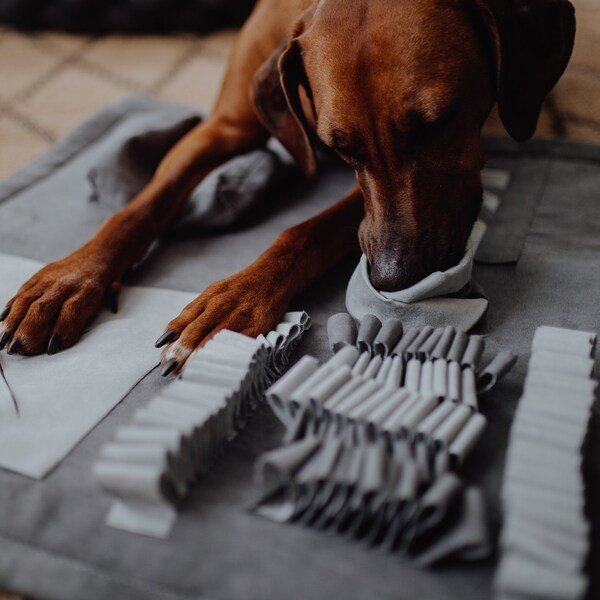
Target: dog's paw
(241, 303)
(51, 310)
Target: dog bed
(53, 540)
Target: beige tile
(578, 94)
(22, 64)
(18, 146)
(586, 54)
(587, 133)
(64, 44)
(141, 60)
(70, 97)
(221, 42)
(197, 84)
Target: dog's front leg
(254, 300)
(52, 309)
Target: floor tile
(22, 64)
(18, 146)
(578, 94)
(70, 97)
(144, 61)
(221, 42)
(197, 83)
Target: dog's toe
(236, 303)
(50, 311)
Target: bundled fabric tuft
(152, 462)
(377, 436)
(545, 537)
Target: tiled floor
(50, 82)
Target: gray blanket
(53, 541)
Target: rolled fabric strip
(454, 382)
(324, 390)
(407, 422)
(360, 395)
(473, 352)
(413, 375)
(436, 501)
(341, 331)
(566, 341)
(151, 453)
(519, 576)
(299, 317)
(346, 356)
(444, 343)
(366, 408)
(395, 417)
(413, 350)
(394, 376)
(367, 332)
(468, 389)
(141, 518)
(572, 364)
(447, 430)
(426, 349)
(388, 337)
(169, 438)
(459, 343)
(405, 341)
(283, 388)
(384, 370)
(440, 378)
(467, 438)
(346, 390)
(468, 539)
(394, 401)
(277, 466)
(144, 482)
(361, 364)
(373, 367)
(302, 393)
(562, 381)
(495, 370)
(428, 425)
(426, 379)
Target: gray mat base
(53, 542)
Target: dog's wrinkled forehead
(411, 59)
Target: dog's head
(400, 89)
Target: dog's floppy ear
(276, 98)
(533, 41)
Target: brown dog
(400, 89)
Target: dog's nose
(392, 273)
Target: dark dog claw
(4, 339)
(55, 343)
(4, 313)
(169, 367)
(14, 347)
(165, 338)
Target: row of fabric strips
(153, 461)
(545, 538)
(367, 456)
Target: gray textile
(443, 298)
(221, 200)
(217, 550)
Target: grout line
(186, 57)
(44, 79)
(30, 125)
